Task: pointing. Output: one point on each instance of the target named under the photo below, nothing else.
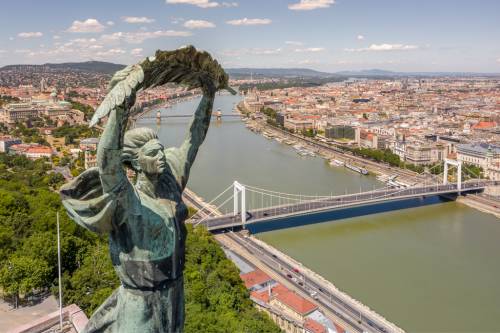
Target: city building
(6, 142)
(368, 139)
(89, 148)
(256, 280)
(32, 150)
(482, 155)
(340, 132)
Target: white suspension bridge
(253, 204)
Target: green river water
(427, 269)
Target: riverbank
(329, 153)
(482, 204)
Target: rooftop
(314, 327)
(255, 277)
(479, 147)
(295, 302)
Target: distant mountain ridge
(110, 68)
(366, 73)
(279, 72)
(89, 66)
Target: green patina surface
(144, 220)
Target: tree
(55, 180)
(216, 298)
(93, 282)
(23, 274)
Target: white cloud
(311, 49)
(139, 37)
(498, 60)
(22, 51)
(2, 51)
(110, 52)
(360, 37)
(311, 4)
(84, 43)
(250, 51)
(11, 38)
(136, 52)
(198, 24)
(198, 3)
(307, 62)
(247, 21)
(136, 19)
(56, 37)
(291, 42)
(89, 25)
(385, 47)
(110, 23)
(229, 4)
(176, 20)
(31, 34)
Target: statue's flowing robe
(147, 241)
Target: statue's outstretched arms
(109, 151)
(198, 129)
(116, 106)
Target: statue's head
(143, 152)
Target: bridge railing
(349, 199)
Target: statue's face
(152, 158)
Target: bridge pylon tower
(240, 189)
(458, 165)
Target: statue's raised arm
(185, 66)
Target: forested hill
(276, 72)
(87, 66)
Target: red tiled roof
(485, 124)
(296, 302)
(262, 295)
(39, 150)
(254, 277)
(313, 326)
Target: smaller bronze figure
(145, 220)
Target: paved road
(331, 300)
(343, 201)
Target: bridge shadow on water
(302, 220)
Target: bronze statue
(145, 220)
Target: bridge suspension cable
(213, 200)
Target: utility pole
(59, 270)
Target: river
(427, 269)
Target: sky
(326, 35)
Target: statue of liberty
(145, 220)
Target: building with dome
(38, 106)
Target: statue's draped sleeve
(90, 207)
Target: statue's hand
(207, 86)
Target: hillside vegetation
(216, 299)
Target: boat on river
(335, 162)
(360, 170)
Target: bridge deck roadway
(340, 202)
